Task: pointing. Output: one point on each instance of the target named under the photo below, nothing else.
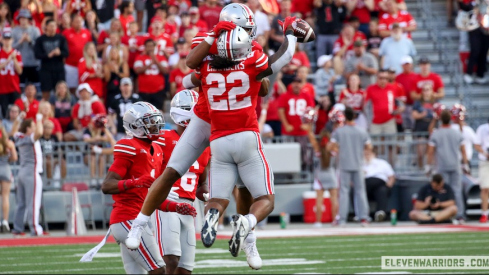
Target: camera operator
(435, 203)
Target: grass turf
(287, 255)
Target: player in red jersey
(175, 233)
(137, 161)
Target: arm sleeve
(335, 137)
(39, 50)
(450, 193)
(422, 194)
(120, 165)
(64, 47)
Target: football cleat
(133, 239)
(483, 219)
(209, 230)
(241, 228)
(5, 226)
(252, 256)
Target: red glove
(180, 208)
(287, 22)
(222, 27)
(142, 182)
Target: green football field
(355, 254)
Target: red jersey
(408, 82)
(137, 154)
(338, 44)
(433, 79)
(176, 76)
(163, 44)
(294, 107)
(168, 28)
(187, 185)
(308, 89)
(103, 38)
(353, 99)
(76, 41)
(201, 25)
(232, 95)
(131, 42)
(383, 102)
(201, 109)
(57, 126)
(210, 15)
(77, 6)
(401, 95)
(9, 78)
(322, 120)
(381, 11)
(303, 7)
(403, 18)
(96, 108)
(362, 12)
(125, 21)
(150, 81)
(30, 109)
(299, 59)
(84, 73)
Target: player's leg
(20, 198)
(344, 198)
(33, 193)
(145, 258)
(167, 229)
(222, 178)
(317, 186)
(360, 195)
(187, 243)
(455, 178)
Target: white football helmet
(241, 15)
(234, 44)
(143, 120)
(181, 106)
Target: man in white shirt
(379, 179)
(261, 19)
(468, 134)
(481, 145)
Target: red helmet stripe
(228, 44)
(248, 11)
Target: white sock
(142, 219)
(252, 219)
(485, 213)
(251, 237)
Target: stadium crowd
(75, 61)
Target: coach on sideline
(349, 142)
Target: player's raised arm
(284, 54)
(191, 81)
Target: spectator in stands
(209, 12)
(459, 124)
(394, 48)
(182, 47)
(93, 25)
(481, 145)
(27, 102)
(306, 87)
(87, 106)
(51, 151)
(381, 7)
(97, 135)
(298, 60)
(163, 42)
(10, 69)
(8, 153)
(149, 67)
(13, 116)
(349, 142)
(423, 113)
(394, 15)
(115, 42)
(273, 118)
(362, 63)
(291, 107)
(120, 104)
(65, 22)
(196, 21)
(51, 48)
(373, 37)
(276, 32)
(177, 75)
(140, 6)
(90, 69)
(427, 76)
(435, 202)
(401, 96)
(379, 179)
(446, 146)
(114, 70)
(5, 17)
(361, 10)
(325, 76)
(134, 42)
(479, 44)
(76, 37)
(126, 9)
(46, 110)
(24, 36)
(62, 102)
(80, 7)
(261, 19)
(329, 17)
(343, 46)
(104, 38)
(407, 79)
(353, 96)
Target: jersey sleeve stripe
(124, 151)
(125, 146)
(160, 143)
(260, 59)
(263, 63)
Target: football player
(175, 233)
(137, 161)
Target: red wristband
(169, 206)
(120, 185)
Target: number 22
(231, 102)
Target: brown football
(303, 31)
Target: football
(303, 31)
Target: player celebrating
(175, 233)
(136, 162)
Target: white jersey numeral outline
(231, 102)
